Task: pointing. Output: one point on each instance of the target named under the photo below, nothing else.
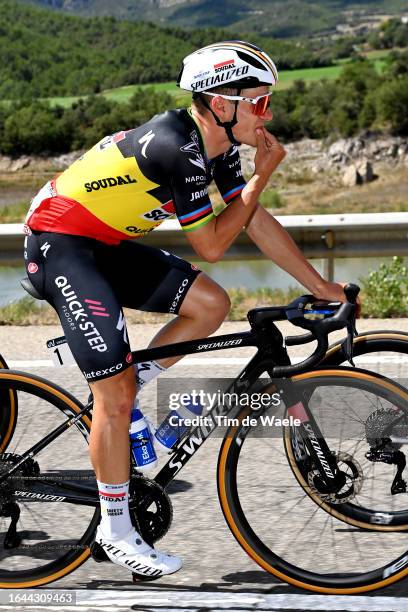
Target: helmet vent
(250, 60)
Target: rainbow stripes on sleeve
(233, 193)
(198, 218)
(193, 220)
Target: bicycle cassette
(379, 428)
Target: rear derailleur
(385, 435)
(384, 453)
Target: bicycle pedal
(12, 541)
(140, 578)
(97, 553)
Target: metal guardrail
(319, 237)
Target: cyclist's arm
(275, 242)
(212, 240)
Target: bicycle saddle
(28, 286)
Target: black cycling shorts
(88, 283)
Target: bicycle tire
(41, 389)
(8, 412)
(365, 344)
(290, 571)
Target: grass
(13, 213)
(270, 198)
(28, 311)
(123, 94)
(286, 79)
(381, 53)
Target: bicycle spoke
(50, 529)
(320, 537)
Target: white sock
(114, 499)
(147, 371)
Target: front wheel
(279, 523)
(50, 537)
(386, 353)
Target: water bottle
(141, 441)
(173, 428)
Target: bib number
(60, 352)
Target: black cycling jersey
(78, 249)
(130, 182)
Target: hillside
(47, 53)
(281, 18)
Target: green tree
(393, 104)
(33, 129)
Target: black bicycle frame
(271, 353)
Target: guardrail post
(328, 269)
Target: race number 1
(60, 352)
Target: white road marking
(32, 363)
(177, 599)
(187, 361)
(228, 600)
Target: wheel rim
(8, 412)
(55, 536)
(251, 537)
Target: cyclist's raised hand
(269, 153)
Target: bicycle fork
(307, 435)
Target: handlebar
(336, 316)
(303, 339)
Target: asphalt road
(217, 573)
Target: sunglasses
(260, 103)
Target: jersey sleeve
(189, 184)
(228, 175)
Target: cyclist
(79, 254)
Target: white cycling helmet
(231, 63)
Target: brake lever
(351, 292)
(348, 343)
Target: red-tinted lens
(262, 105)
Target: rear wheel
(282, 525)
(8, 412)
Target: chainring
(19, 479)
(151, 510)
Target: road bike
(314, 503)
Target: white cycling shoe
(135, 554)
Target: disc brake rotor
(354, 480)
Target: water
(254, 274)
(247, 274)
(10, 288)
